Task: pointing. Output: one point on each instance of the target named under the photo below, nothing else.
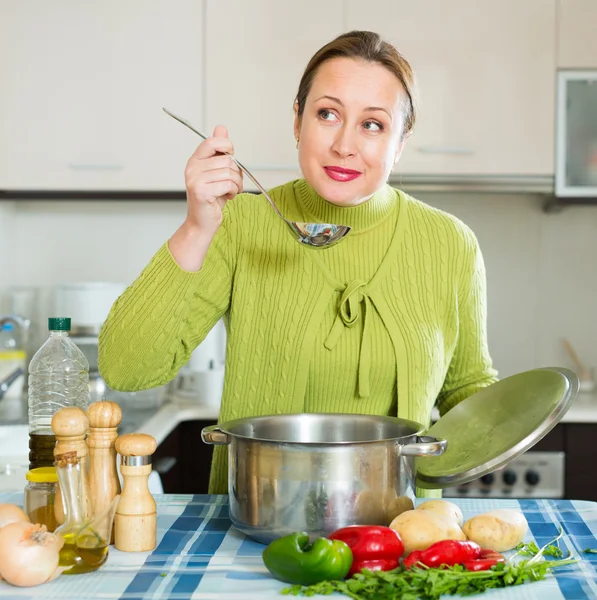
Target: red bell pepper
(487, 559)
(374, 547)
(446, 552)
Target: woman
(389, 321)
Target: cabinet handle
(94, 167)
(459, 150)
(165, 464)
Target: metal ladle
(318, 235)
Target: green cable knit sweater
(389, 322)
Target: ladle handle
(259, 187)
(428, 446)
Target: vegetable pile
(424, 553)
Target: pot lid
(497, 424)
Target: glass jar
(40, 493)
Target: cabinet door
(256, 53)
(577, 37)
(486, 74)
(83, 85)
(581, 478)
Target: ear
(401, 147)
(297, 121)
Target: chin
(340, 194)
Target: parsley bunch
(430, 584)
(531, 549)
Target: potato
(421, 528)
(445, 508)
(501, 529)
(397, 506)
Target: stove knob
(509, 477)
(488, 479)
(532, 477)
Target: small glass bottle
(85, 541)
(40, 494)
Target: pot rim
(418, 429)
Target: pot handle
(214, 435)
(425, 446)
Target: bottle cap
(59, 323)
(42, 475)
(7, 327)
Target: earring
(297, 143)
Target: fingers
(220, 161)
(224, 174)
(220, 131)
(211, 146)
(227, 189)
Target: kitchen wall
(541, 268)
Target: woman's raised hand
(211, 179)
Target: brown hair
(367, 46)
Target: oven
(534, 474)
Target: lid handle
(425, 446)
(214, 435)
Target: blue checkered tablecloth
(200, 555)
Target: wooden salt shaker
(104, 417)
(70, 426)
(135, 522)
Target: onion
(28, 554)
(11, 513)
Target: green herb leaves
(531, 549)
(430, 584)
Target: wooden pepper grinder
(135, 522)
(104, 485)
(70, 426)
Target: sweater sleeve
(155, 325)
(471, 367)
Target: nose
(344, 143)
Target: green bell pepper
(293, 559)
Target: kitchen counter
(159, 423)
(200, 555)
(583, 409)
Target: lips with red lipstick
(340, 174)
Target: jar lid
(42, 475)
(490, 428)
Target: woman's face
(351, 130)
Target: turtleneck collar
(361, 217)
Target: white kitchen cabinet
(83, 85)
(256, 53)
(486, 74)
(577, 36)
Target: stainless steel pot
(319, 472)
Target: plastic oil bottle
(58, 377)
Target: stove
(531, 475)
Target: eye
(373, 126)
(326, 115)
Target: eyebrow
(338, 101)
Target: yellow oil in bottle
(41, 450)
(82, 558)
